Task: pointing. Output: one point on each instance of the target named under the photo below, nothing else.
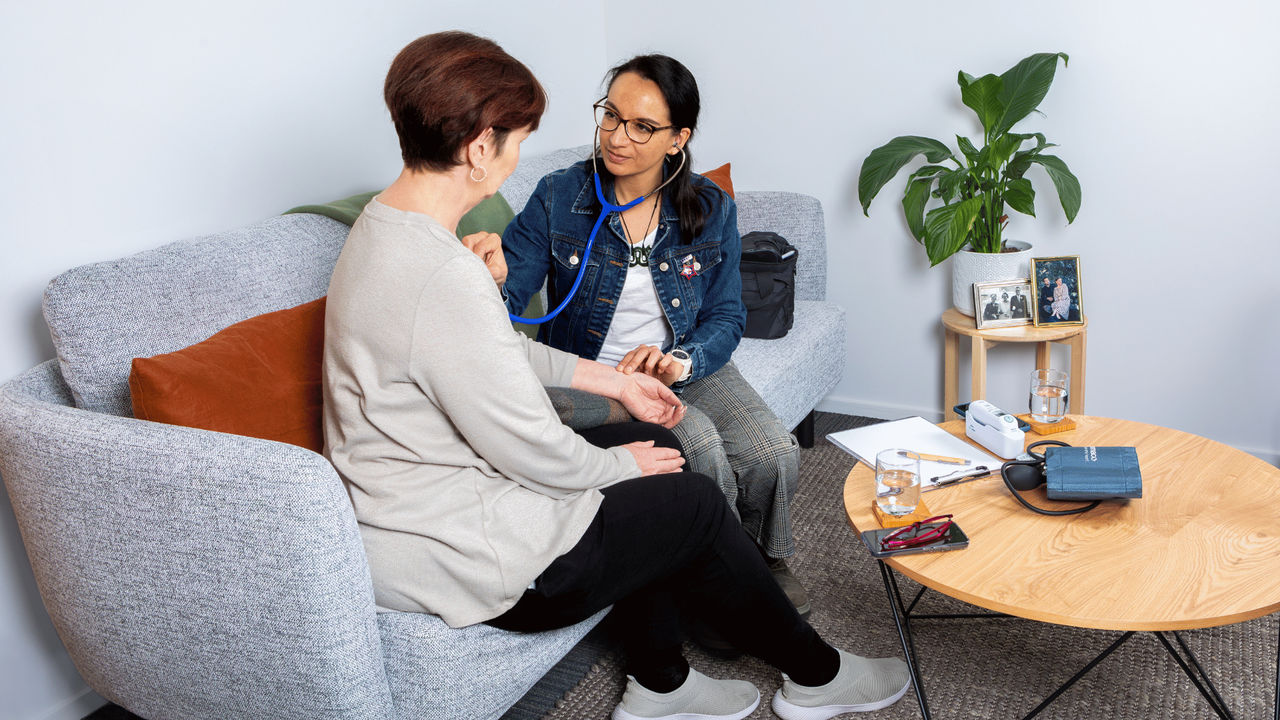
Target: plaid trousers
(729, 434)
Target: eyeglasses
(638, 130)
(917, 533)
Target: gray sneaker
(861, 685)
(790, 585)
(699, 698)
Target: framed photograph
(1055, 285)
(1002, 303)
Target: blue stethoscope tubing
(606, 208)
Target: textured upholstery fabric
(433, 669)
(192, 574)
(794, 372)
(799, 219)
(103, 315)
(260, 377)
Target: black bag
(768, 270)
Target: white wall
(1166, 114)
(125, 127)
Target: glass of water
(1048, 403)
(897, 481)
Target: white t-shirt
(638, 319)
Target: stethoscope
(606, 208)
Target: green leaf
(947, 227)
(885, 161)
(967, 147)
(1024, 86)
(1020, 196)
(1067, 185)
(984, 96)
(1002, 147)
(913, 202)
(949, 183)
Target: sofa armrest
(192, 573)
(799, 219)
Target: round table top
(957, 321)
(1200, 548)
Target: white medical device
(994, 429)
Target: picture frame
(1057, 290)
(1002, 303)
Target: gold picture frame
(1002, 303)
(1057, 289)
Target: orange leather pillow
(259, 377)
(720, 176)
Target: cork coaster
(1039, 428)
(886, 520)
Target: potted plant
(970, 199)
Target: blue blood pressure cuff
(1092, 473)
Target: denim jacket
(698, 283)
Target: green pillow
(491, 215)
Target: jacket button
(675, 302)
(663, 267)
(573, 260)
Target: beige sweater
(464, 481)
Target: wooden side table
(957, 323)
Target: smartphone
(953, 540)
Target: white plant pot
(968, 267)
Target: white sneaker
(861, 685)
(699, 698)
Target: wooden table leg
(1077, 373)
(950, 372)
(1043, 356)
(978, 389)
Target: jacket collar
(586, 203)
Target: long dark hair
(680, 91)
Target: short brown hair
(446, 88)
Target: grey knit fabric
(103, 315)
(799, 219)
(792, 374)
(476, 672)
(189, 573)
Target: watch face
(680, 354)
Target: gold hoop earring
(482, 177)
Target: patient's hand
(488, 246)
(647, 399)
(655, 460)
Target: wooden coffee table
(1200, 549)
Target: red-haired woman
(475, 503)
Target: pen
(959, 475)
(933, 458)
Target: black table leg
(903, 622)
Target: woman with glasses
(661, 293)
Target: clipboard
(917, 434)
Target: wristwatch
(683, 358)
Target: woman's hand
(649, 400)
(650, 360)
(655, 460)
(488, 246)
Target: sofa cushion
(794, 372)
(104, 315)
(720, 176)
(259, 377)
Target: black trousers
(660, 548)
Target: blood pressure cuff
(1092, 473)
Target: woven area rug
(991, 668)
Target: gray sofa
(194, 574)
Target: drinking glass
(897, 481)
(1048, 397)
